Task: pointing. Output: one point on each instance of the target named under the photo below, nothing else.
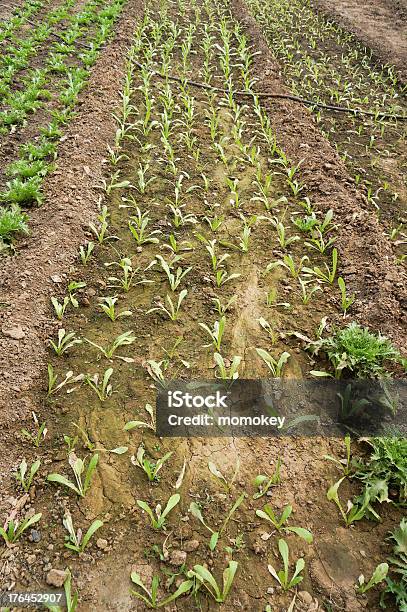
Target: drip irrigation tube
(246, 94)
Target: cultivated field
(197, 190)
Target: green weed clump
(386, 468)
(354, 349)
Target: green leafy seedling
(150, 597)
(26, 479)
(378, 576)
(158, 520)
(279, 523)
(205, 577)
(13, 530)
(282, 576)
(81, 486)
(150, 468)
(75, 541)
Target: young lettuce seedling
(150, 597)
(279, 523)
(75, 541)
(282, 576)
(142, 424)
(263, 483)
(22, 477)
(222, 370)
(275, 367)
(345, 465)
(151, 468)
(103, 389)
(378, 576)
(39, 436)
(158, 521)
(216, 334)
(80, 486)
(65, 341)
(13, 529)
(204, 577)
(354, 512)
(108, 306)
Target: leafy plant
(353, 512)
(142, 424)
(12, 221)
(124, 339)
(75, 541)
(345, 465)
(102, 388)
(264, 483)
(158, 521)
(378, 576)
(151, 468)
(206, 578)
(13, 530)
(65, 341)
(279, 523)
(40, 434)
(275, 366)
(81, 485)
(22, 477)
(346, 301)
(326, 274)
(173, 309)
(216, 334)
(224, 372)
(108, 306)
(150, 597)
(71, 601)
(282, 576)
(355, 349)
(220, 478)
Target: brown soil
(380, 24)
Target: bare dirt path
(379, 24)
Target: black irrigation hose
(339, 109)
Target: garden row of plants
(21, 15)
(202, 201)
(324, 63)
(66, 69)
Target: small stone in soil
(56, 577)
